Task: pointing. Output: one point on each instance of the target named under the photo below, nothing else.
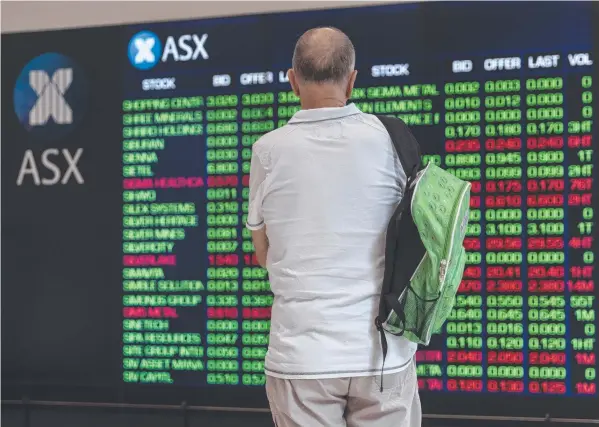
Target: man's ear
(350, 83)
(293, 81)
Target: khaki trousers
(346, 402)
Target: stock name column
(222, 232)
(161, 285)
(257, 117)
(581, 245)
(465, 327)
(504, 212)
(546, 213)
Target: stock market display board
(496, 94)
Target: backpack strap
(408, 152)
(406, 146)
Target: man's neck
(322, 97)
(322, 103)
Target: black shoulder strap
(405, 144)
(408, 151)
(394, 280)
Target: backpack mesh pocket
(418, 307)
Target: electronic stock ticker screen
(508, 107)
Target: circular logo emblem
(144, 50)
(50, 96)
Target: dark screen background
(61, 258)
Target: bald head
(324, 55)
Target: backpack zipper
(443, 267)
(442, 271)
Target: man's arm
(255, 221)
(261, 244)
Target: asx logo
(50, 96)
(146, 50)
(50, 93)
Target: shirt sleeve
(255, 219)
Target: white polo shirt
(325, 186)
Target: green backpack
(424, 254)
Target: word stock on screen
(518, 126)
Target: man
(322, 190)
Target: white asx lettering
(182, 50)
(29, 167)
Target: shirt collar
(318, 114)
